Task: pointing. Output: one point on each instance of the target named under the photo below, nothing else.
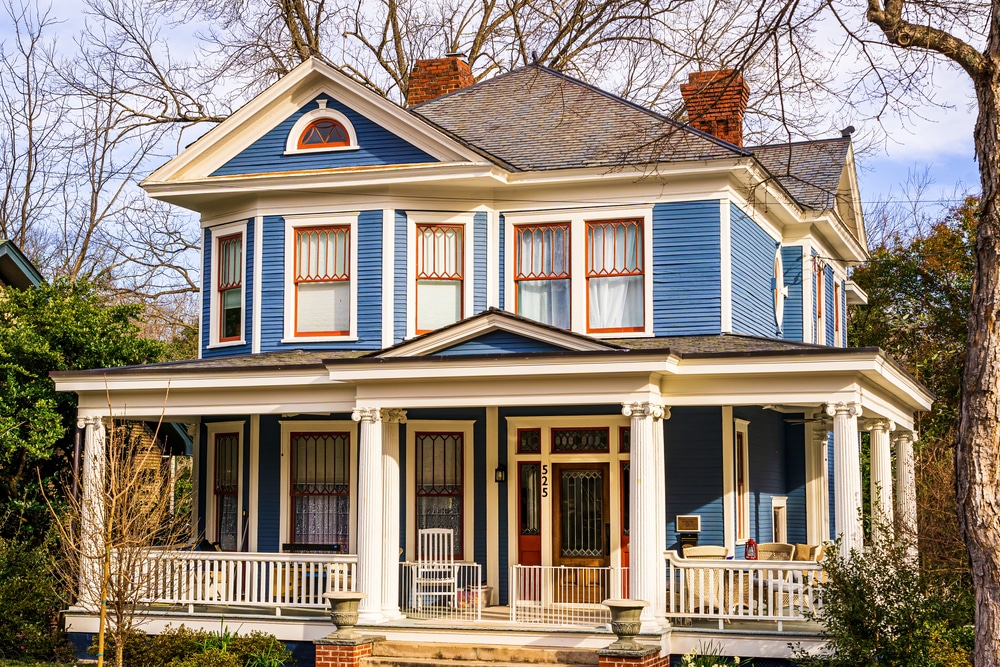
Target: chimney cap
(847, 131)
(455, 54)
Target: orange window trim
(292, 471)
(313, 129)
(299, 279)
(565, 275)
(458, 275)
(613, 272)
(226, 244)
(819, 291)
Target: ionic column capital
(902, 434)
(366, 414)
(654, 410)
(84, 422)
(886, 425)
(843, 409)
(393, 415)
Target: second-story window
(440, 275)
(230, 287)
(615, 295)
(542, 273)
(322, 281)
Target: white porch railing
(560, 595)
(461, 596)
(742, 589)
(260, 579)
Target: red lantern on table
(750, 550)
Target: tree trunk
(977, 455)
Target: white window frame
(819, 311)
(211, 524)
(292, 142)
(285, 499)
(215, 307)
(779, 503)
(577, 219)
(742, 524)
(293, 222)
(465, 220)
(465, 427)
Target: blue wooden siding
(693, 459)
(753, 276)
(269, 485)
(368, 274)
(480, 233)
(376, 146)
(828, 304)
(791, 260)
(795, 481)
(502, 250)
(399, 278)
(499, 342)
(767, 466)
(248, 287)
(687, 282)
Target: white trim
(726, 264)
(808, 314)
(212, 429)
(292, 142)
(780, 291)
(293, 222)
(284, 499)
(468, 481)
(196, 498)
(213, 307)
(728, 480)
(388, 276)
(613, 457)
(742, 524)
(493, 501)
(577, 219)
(815, 480)
(254, 481)
(258, 273)
(779, 502)
(466, 220)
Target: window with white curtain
(440, 275)
(440, 478)
(320, 489)
(542, 273)
(615, 300)
(322, 281)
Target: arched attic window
(321, 130)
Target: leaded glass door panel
(580, 514)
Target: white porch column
(659, 463)
(906, 491)
(391, 419)
(847, 475)
(881, 471)
(817, 486)
(643, 556)
(92, 511)
(369, 514)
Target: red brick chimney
(716, 102)
(438, 76)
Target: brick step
(466, 655)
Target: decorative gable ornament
(321, 130)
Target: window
(741, 458)
(779, 291)
(439, 483)
(779, 519)
(322, 281)
(324, 133)
(320, 489)
(229, 287)
(615, 296)
(225, 485)
(440, 271)
(542, 273)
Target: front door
(582, 530)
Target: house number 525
(545, 480)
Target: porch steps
(412, 654)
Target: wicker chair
(775, 551)
(715, 597)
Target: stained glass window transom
(579, 440)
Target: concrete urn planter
(625, 623)
(344, 613)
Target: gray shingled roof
(809, 170)
(723, 344)
(284, 360)
(534, 118)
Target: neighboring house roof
(535, 119)
(809, 170)
(16, 270)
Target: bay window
(440, 276)
(542, 273)
(322, 278)
(615, 295)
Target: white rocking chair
(435, 576)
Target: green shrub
(213, 657)
(174, 644)
(879, 610)
(137, 649)
(259, 649)
(29, 624)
